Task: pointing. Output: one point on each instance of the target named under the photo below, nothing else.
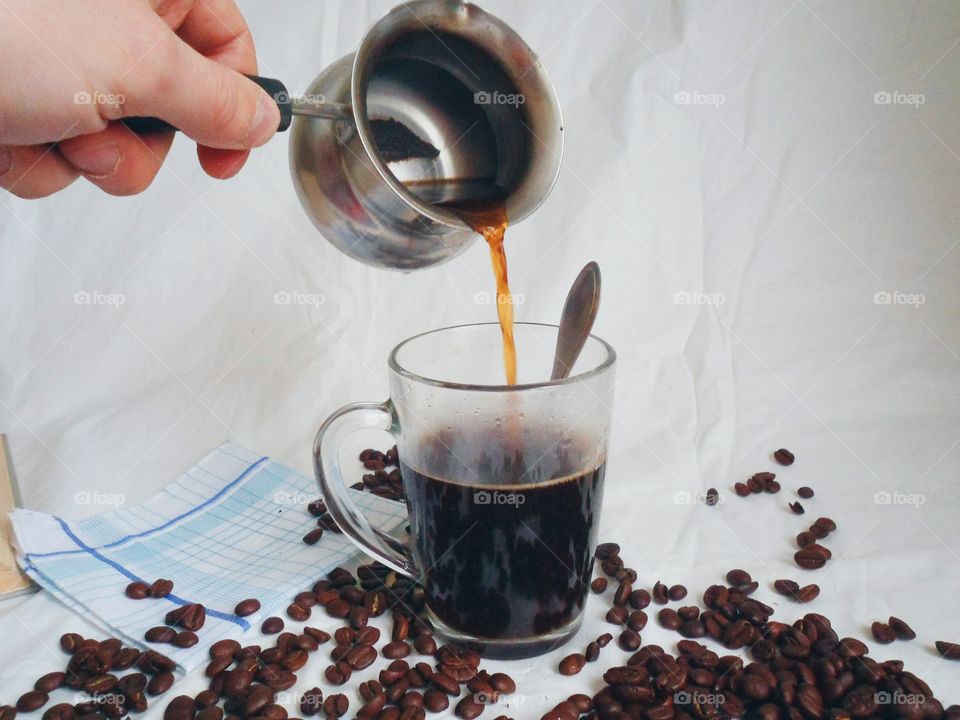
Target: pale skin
(73, 68)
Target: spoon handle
(579, 312)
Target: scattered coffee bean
(161, 588)
(313, 537)
(336, 705)
(592, 652)
(50, 682)
(637, 620)
(137, 590)
(604, 640)
(669, 618)
(807, 593)
(784, 457)
(160, 634)
(660, 593)
(805, 492)
(160, 683)
(395, 649)
(738, 578)
(741, 489)
(607, 550)
(435, 700)
(629, 640)
(271, 626)
(949, 650)
(425, 644)
(298, 613)
(825, 525)
(797, 508)
(883, 633)
(786, 587)
(677, 592)
(34, 700)
(806, 538)
(617, 615)
(468, 708)
(186, 639)
(713, 497)
(572, 664)
(902, 630)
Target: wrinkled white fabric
(755, 179)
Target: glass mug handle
(326, 466)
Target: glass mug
(504, 483)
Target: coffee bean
(669, 618)
(50, 682)
(61, 711)
(321, 636)
(797, 508)
(435, 701)
(364, 636)
(572, 664)
(161, 588)
(425, 644)
(741, 489)
(629, 640)
(336, 705)
(186, 639)
(810, 559)
(786, 587)
(211, 712)
(395, 649)
(503, 683)
(807, 593)
(639, 599)
(360, 657)
(949, 650)
(772, 487)
(637, 620)
(358, 617)
(738, 577)
(617, 615)
(826, 525)
(806, 538)
(311, 702)
(125, 658)
(8, 712)
(338, 608)
(677, 592)
(902, 630)
(160, 683)
(623, 593)
(298, 613)
(783, 456)
(271, 626)
(444, 682)
(805, 492)
(193, 617)
(607, 550)
(883, 633)
(69, 642)
(137, 590)
(160, 634)
(660, 593)
(468, 708)
(30, 701)
(604, 640)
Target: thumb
(213, 104)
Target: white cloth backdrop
(750, 198)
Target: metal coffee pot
(442, 104)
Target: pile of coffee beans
(803, 671)
(97, 668)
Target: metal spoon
(579, 312)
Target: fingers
(221, 164)
(117, 160)
(213, 104)
(34, 171)
(217, 29)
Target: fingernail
(265, 120)
(97, 161)
(6, 160)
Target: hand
(71, 70)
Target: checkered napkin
(228, 529)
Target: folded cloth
(229, 529)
